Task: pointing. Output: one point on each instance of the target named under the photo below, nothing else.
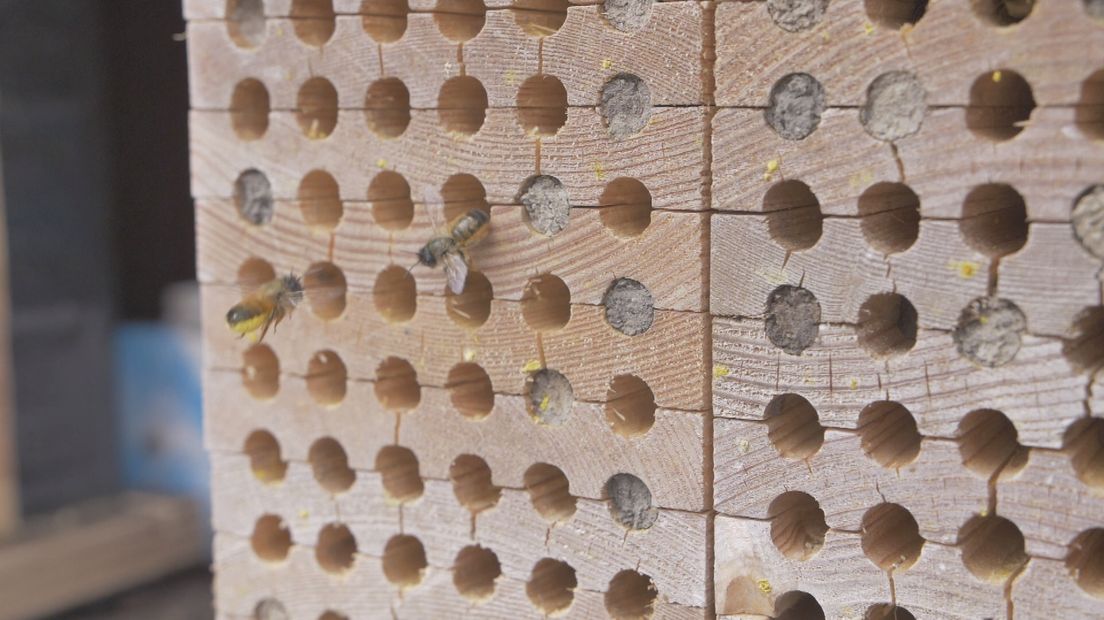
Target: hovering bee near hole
(890, 215)
(795, 105)
(320, 200)
(1085, 561)
(245, 22)
(540, 18)
(626, 207)
(895, 14)
(994, 220)
(463, 192)
(471, 308)
(631, 596)
(324, 286)
(549, 490)
(989, 444)
(460, 20)
(384, 20)
(260, 372)
(253, 197)
(313, 20)
(249, 107)
(264, 457)
(474, 573)
(392, 206)
(797, 525)
(887, 325)
(890, 537)
(398, 468)
(395, 294)
(630, 502)
(326, 378)
(254, 272)
(630, 406)
(404, 561)
(888, 434)
(887, 611)
(462, 105)
(271, 539)
(1001, 103)
(546, 303)
(797, 605)
(387, 107)
(551, 586)
(336, 548)
(1002, 13)
(793, 426)
(270, 609)
(626, 106)
(1084, 443)
(397, 386)
(470, 390)
(793, 215)
(471, 482)
(542, 105)
(316, 109)
(992, 548)
(1084, 348)
(549, 397)
(330, 465)
(547, 207)
(1089, 113)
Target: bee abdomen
(470, 224)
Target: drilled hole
(895, 13)
(470, 390)
(797, 525)
(1002, 12)
(793, 426)
(625, 105)
(384, 20)
(404, 561)
(270, 609)
(890, 215)
(330, 614)
(630, 406)
(395, 294)
(887, 432)
(471, 482)
(472, 307)
(793, 215)
(547, 205)
(796, 15)
(1084, 443)
(550, 492)
(795, 105)
(989, 444)
(887, 611)
(326, 378)
(540, 18)
(1094, 9)
(994, 220)
(245, 22)
(1090, 107)
(629, 306)
(793, 318)
(460, 20)
(320, 200)
(797, 605)
(260, 372)
(474, 573)
(1085, 561)
(316, 110)
(462, 105)
(890, 537)
(626, 207)
(1001, 103)
(549, 397)
(324, 286)
(253, 197)
(463, 192)
(542, 105)
(264, 457)
(249, 107)
(631, 596)
(387, 107)
(398, 469)
(992, 548)
(330, 465)
(546, 303)
(887, 325)
(254, 272)
(392, 206)
(313, 20)
(630, 502)
(1085, 347)
(336, 548)
(271, 539)
(551, 586)
(397, 385)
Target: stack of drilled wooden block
(788, 308)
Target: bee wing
(456, 270)
(435, 206)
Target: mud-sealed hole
(398, 469)
(549, 397)
(462, 105)
(629, 307)
(793, 318)
(327, 378)
(894, 14)
(540, 18)
(1087, 219)
(546, 303)
(392, 205)
(336, 548)
(471, 483)
(330, 465)
(463, 192)
(994, 219)
(797, 605)
(992, 548)
(459, 20)
(271, 539)
(793, 426)
(895, 103)
(542, 105)
(470, 390)
(631, 596)
(387, 107)
(313, 20)
(625, 207)
(474, 573)
(795, 105)
(1083, 442)
(547, 205)
(404, 561)
(320, 200)
(796, 15)
(990, 331)
(890, 217)
(316, 108)
(549, 490)
(891, 537)
(397, 386)
(797, 525)
(395, 294)
(384, 20)
(888, 434)
(1001, 103)
(249, 108)
(265, 460)
(472, 307)
(627, 15)
(630, 502)
(887, 611)
(551, 586)
(887, 325)
(245, 22)
(270, 609)
(793, 215)
(1002, 12)
(260, 372)
(1089, 114)
(1085, 561)
(325, 287)
(253, 197)
(625, 105)
(630, 406)
(988, 443)
(1084, 348)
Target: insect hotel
(783, 309)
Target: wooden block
(1044, 589)
(938, 585)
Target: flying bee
(265, 307)
(449, 246)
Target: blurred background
(103, 480)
